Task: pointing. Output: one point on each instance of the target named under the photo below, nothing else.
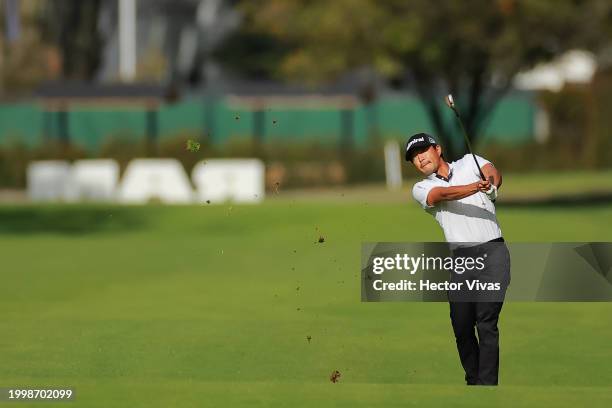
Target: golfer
(463, 205)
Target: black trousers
(480, 355)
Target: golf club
(451, 104)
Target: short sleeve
(481, 163)
(420, 192)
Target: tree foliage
(73, 26)
(471, 48)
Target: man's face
(427, 159)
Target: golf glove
(492, 193)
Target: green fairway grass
(211, 306)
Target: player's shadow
(69, 220)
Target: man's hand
(483, 185)
(489, 189)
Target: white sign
(148, 180)
(48, 180)
(93, 180)
(237, 180)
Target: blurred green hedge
(580, 125)
(292, 165)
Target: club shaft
(469, 145)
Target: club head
(449, 101)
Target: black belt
(476, 248)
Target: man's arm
(490, 171)
(438, 194)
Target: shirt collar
(450, 174)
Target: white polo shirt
(468, 220)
